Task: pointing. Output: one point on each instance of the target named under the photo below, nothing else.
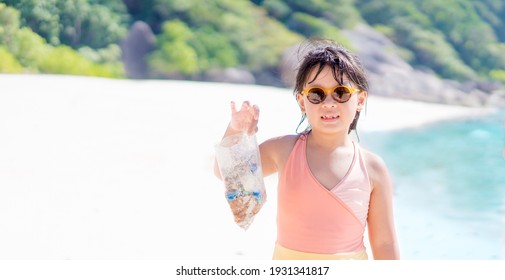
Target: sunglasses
(341, 94)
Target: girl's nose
(329, 102)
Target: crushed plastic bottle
(240, 167)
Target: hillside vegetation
(461, 40)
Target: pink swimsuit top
(311, 218)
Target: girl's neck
(329, 141)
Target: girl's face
(330, 116)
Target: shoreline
(380, 114)
(122, 169)
(396, 114)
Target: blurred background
(449, 176)
(448, 52)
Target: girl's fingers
(246, 105)
(233, 108)
(256, 112)
(247, 117)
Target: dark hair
(319, 53)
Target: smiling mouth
(329, 117)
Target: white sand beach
(99, 169)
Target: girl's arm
(381, 226)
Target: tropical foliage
(25, 50)
(457, 39)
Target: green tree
(9, 63)
(339, 13)
(91, 23)
(378, 12)
(22, 50)
(41, 16)
(174, 55)
(94, 23)
(65, 60)
(23, 44)
(214, 49)
(311, 26)
(243, 35)
(471, 36)
(498, 75)
(278, 9)
(9, 24)
(449, 37)
(29, 48)
(431, 49)
(493, 12)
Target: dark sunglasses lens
(341, 94)
(316, 95)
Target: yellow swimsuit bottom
(282, 253)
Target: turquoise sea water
(449, 187)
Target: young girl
(329, 188)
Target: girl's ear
(362, 100)
(301, 101)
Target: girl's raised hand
(246, 119)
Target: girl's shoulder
(279, 148)
(284, 142)
(372, 159)
(376, 166)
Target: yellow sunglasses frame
(330, 91)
